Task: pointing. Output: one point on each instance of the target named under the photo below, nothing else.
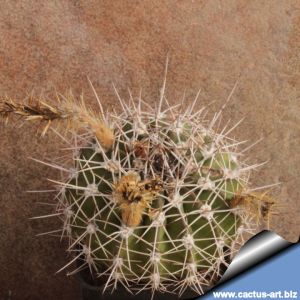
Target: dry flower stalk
(76, 115)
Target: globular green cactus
(156, 199)
(154, 210)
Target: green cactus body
(188, 228)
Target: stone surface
(47, 45)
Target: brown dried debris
(75, 115)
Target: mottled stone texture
(211, 44)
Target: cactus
(156, 198)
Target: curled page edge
(260, 247)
